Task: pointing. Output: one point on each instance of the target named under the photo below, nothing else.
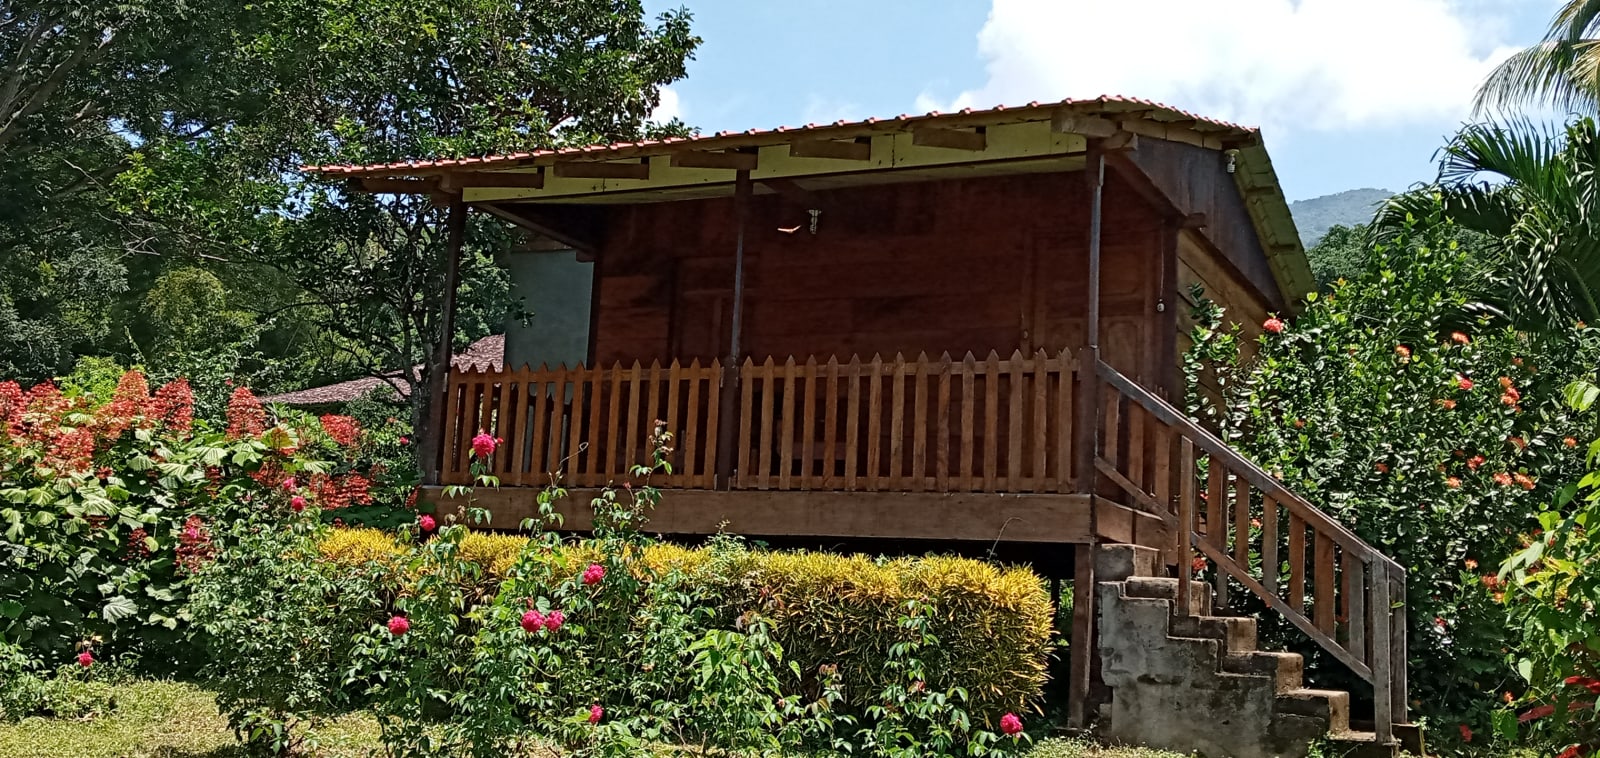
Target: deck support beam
(728, 413)
(1080, 675)
(432, 449)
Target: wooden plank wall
(1196, 180)
(952, 266)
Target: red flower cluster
(137, 550)
(341, 429)
(173, 404)
(333, 493)
(127, 404)
(194, 545)
(1011, 725)
(246, 417)
(1273, 325)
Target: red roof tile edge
(345, 169)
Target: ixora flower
(399, 625)
(532, 621)
(1460, 339)
(1463, 382)
(297, 503)
(596, 713)
(483, 445)
(85, 659)
(1273, 325)
(594, 573)
(426, 524)
(1010, 724)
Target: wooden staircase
(1226, 516)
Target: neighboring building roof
(521, 177)
(486, 354)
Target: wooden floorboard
(1057, 518)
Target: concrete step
(1288, 669)
(1360, 745)
(1164, 588)
(1333, 706)
(1238, 633)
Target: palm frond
(1538, 74)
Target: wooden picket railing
(907, 425)
(1251, 530)
(591, 425)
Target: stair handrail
(1371, 581)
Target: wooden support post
(1095, 168)
(1082, 648)
(728, 441)
(432, 450)
(1382, 660)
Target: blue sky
(1350, 93)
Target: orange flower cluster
(344, 491)
(246, 417)
(341, 429)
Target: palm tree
(1534, 195)
(1563, 70)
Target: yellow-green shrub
(993, 623)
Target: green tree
(1340, 254)
(1533, 197)
(1562, 70)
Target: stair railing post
(1185, 523)
(1398, 695)
(1380, 607)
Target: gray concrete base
(1197, 684)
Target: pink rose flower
(426, 523)
(1010, 724)
(594, 573)
(532, 621)
(399, 625)
(85, 659)
(290, 484)
(596, 713)
(297, 504)
(483, 445)
(554, 621)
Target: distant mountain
(1315, 216)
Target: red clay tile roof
(1107, 104)
(487, 354)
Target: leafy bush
(824, 608)
(1433, 432)
(108, 507)
(1552, 591)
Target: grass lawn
(175, 720)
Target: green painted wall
(556, 288)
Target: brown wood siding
(964, 265)
(1196, 180)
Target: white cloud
(1305, 64)
(670, 107)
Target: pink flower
(290, 484)
(1459, 338)
(1463, 382)
(1272, 325)
(399, 625)
(405, 440)
(596, 713)
(554, 621)
(594, 573)
(483, 445)
(297, 503)
(532, 621)
(1010, 724)
(85, 659)
(426, 523)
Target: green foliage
(107, 509)
(1433, 433)
(1558, 70)
(1530, 195)
(276, 655)
(1340, 254)
(1551, 590)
